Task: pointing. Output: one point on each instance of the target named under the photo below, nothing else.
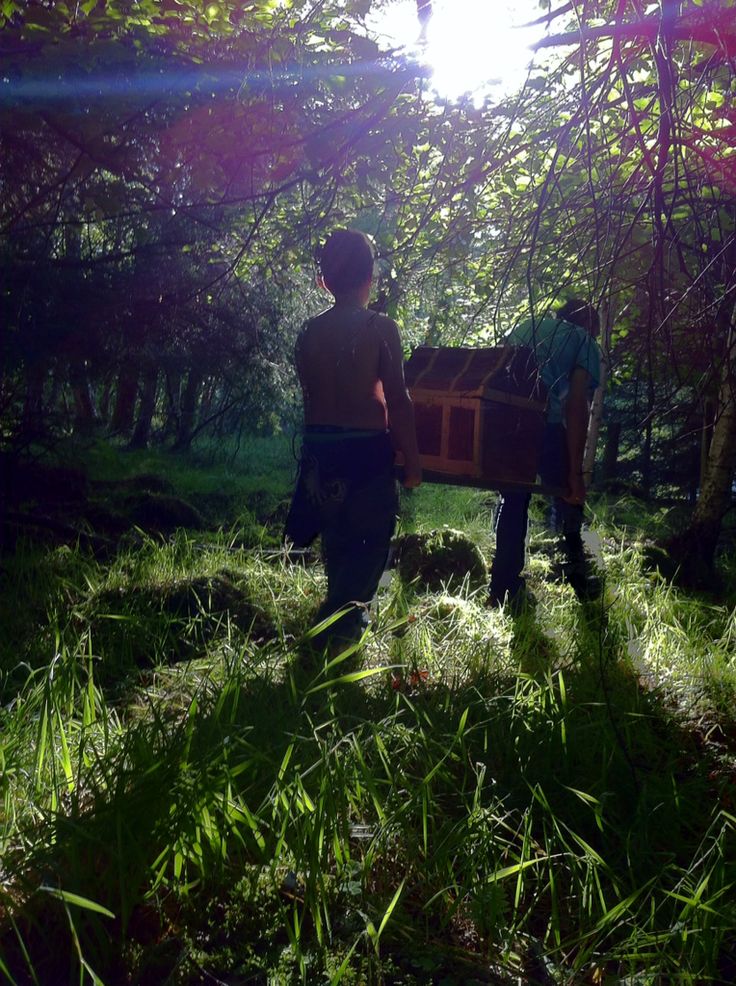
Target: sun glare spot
(472, 47)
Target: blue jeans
(513, 516)
(346, 492)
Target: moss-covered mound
(170, 620)
(443, 558)
(162, 512)
(148, 482)
(42, 484)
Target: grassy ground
(467, 799)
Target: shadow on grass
(312, 799)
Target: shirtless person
(357, 412)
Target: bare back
(341, 359)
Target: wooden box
(479, 414)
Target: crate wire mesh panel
(479, 414)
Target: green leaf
(516, 868)
(390, 909)
(78, 901)
(9, 7)
(347, 679)
(344, 965)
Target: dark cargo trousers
(512, 522)
(346, 492)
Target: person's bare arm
(576, 422)
(398, 402)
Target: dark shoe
(582, 578)
(587, 588)
(522, 601)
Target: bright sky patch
(473, 46)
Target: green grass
(467, 799)
(260, 463)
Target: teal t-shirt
(560, 347)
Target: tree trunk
(188, 411)
(145, 413)
(208, 393)
(105, 398)
(709, 413)
(646, 466)
(715, 493)
(122, 416)
(596, 410)
(85, 413)
(694, 550)
(56, 390)
(609, 469)
(173, 403)
(33, 404)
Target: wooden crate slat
(480, 414)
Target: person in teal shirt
(569, 361)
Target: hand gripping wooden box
(479, 414)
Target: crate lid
(482, 373)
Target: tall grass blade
(77, 900)
(342, 968)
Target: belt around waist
(334, 433)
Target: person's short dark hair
(579, 312)
(346, 260)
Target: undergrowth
(467, 798)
